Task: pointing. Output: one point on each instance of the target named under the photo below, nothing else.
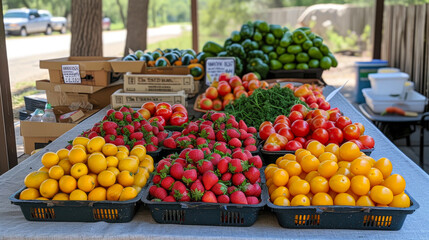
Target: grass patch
(117, 26)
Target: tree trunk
(136, 25)
(86, 37)
(124, 21)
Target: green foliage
(351, 41)
(161, 12)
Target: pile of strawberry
(127, 127)
(199, 175)
(216, 131)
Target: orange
(139, 151)
(29, 194)
(289, 156)
(360, 166)
(67, 183)
(316, 148)
(80, 140)
(300, 200)
(125, 178)
(95, 144)
(311, 175)
(333, 148)
(299, 187)
(129, 164)
(385, 167)
(375, 177)
(97, 163)
(56, 172)
(344, 164)
(128, 193)
(34, 179)
(344, 171)
(114, 192)
(106, 178)
(109, 149)
(396, 183)
(302, 154)
(78, 195)
(344, 199)
(279, 192)
(86, 183)
(271, 188)
(365, 201)
(124, 149)
(269, 174)
(112, 161)
(360, 185)
(327, 168)
(381, 195)
(282, 163)
(339, 183)
(113, 170)
(97, 194)
(50, 159)
(349, 151)
(61, 197)
(66, 165)
(121, 155)
(319, 184)
(291, 180)
(280, 177)
(49, 188)
(62, 153)
(281, 201)
(328, 156)
(293, 168)
(401, 200)
(309, 163)
(322, 198)
(77, 155)
(78, 170)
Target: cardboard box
(33, 143)
(120, 98)
(158, 83)
(94, 71)
(72, 88)
(120, 66)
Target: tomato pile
(175, 115)
(333, 175)
(310, 94)
(303, 125)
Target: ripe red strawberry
(252, 200)
(183, 197)
(219, 189)
(201, 142)
(232, 122)
(238, 179)
(110, 111)
(226, 177)
(256, 161)
(223, 199)
(232, 189)
(251, 148)
(189, 176)
(151, 148)
(248, 189)
(181, 161)
(220, 136)
(209, 197)
(175, 135)
(108, 138)
(236, 165)
(146, 128)
(163, 166)
(192, 128)
(111, 131)
(176, 171)
(127, 130)
(243, 134)
(140, 142)
(251, 130)
(118, 141)
(215, 159)
(183, 142)
(69, 147)
(184, 153)
(169, 143)
(220, 146)
(195, 155)
(167, 183)
(252, 174)
(136, 136)
(178, 190)
(169, 199)
(238, 197)
(218, 116)
(118, 116)
(209, 179)
(240, 155)
(137, 115)
(257, 190)
(234, 143)
(242, 125)
(154, 140)
(249, 141)
(205, 150)
(124, 109)
(108, 125)
(222, 166)
(208, 133)
(128, 118)
(160, 193)
(197, 190)
(162, 136)
(156, 179)
(152, 190)
(232, 133)
(136, 124)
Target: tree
(121, 12)
(86, 37)
(136, 25)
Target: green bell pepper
(325, 62)
(302, 57)
(307, 45)
(289, 66)
(236, 50)
(313, 63)
(235, 36)
(298, 36)
(302, 66)
(212, 47)
(314, 52)
(294, 49)
(257, 36)
(247, 30)
(286, 39)
(276, 30)
(257, 65)
(270, 39)
(275, 64)
(333, 59)
(262, 26)
(287, 58)
(272, 55)
(267, 49)
(280, 50)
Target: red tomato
(314, 105)
(320, 135)
(330, 124)
(164, 112)
(293, 146)
(285, 121)
(178, 108)
(333, 116)
(178, 118)
(351, 131)
(266, 131)
(361, 127)
(286, 132)
(318, 122)
(163, 105)
(226, 102)
(300, 108)
(238, 88)
(217, 105)
(211, 92)
(367, 141)
(302, 91)
(223, 89)
(265, 123)
(325, 105)
(295, 115)
(249, 76)
(279, 126)
(206, 104)
(300, 140)
(300, 128)
(160, 119)
(335, 135)
(310, 99)
(145, 113)
(224, 77)
(246, 85)
(319, 100)
(281, 117)
(271, 147)
(235, 81)
(359, 143)
(342, 122)
(151, 106)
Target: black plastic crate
(78, 211)
(343, 217)
(24, 114)
(33, 102)
(155, 154)
(315, 73)
(200, 213)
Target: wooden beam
(194, 19)
(378, 28)
(8, 156)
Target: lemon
(109, 149)
(49, 188)
(97, 163)
(34, 179)
(63, 153)
(80, 140)
(29, 194)
(50, 159)
(95, 144)
(56, 172)
(77, 155)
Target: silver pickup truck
(26, 21)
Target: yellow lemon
(77, 155)
(61, 197)
(129, 164)
(78, 195)
(43, 169)
(95, 144)
(140, 179)
(56, 172)
(106, 178)
(29, 194)
(66, 165)
(67, 184)
(128, 193)
(114, 192)
(147, 164)
(124, 149)
(49, 188)
(121, 155)
(86, 183)
(97, 163)
(78, 170)
(97, 194)
(63, 153)
(139, 151)
(50, 159)
(80, 140)
(125, 178)
(109, 149)
(113, 170)
(34, 179)
(112, 161)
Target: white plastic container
(388, 70)
(388, 83)
(415, 102)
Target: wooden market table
(14, 226)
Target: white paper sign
(218, 65)
(71, 74)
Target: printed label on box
(216, 66)
(71, 74)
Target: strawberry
(151, 148)
(243, 134)
(109, 125)
(236, 165)
(222, 126)
(249, 141)
(195, 155)
(111, 131)
(209, 197)
(242, 125)
(181, 161)
(179, 187)
(256, 161)
(155, 130)
(153, 140)
(192, 128)
(246, 136)
(189, 176)
(167, 183)
(252, 200)
(156, 179)
(232, 133)
(220, 117)
(136, 136)
(128, 118)
(204, 166)
(252, 174)
(222, 166)
(69, 147)
(183, 197)
(251, 130)
(240, 155)
(192, 136)
(137, 115)
(248, 189)
(183, 142)
(163, 166)
(201, 142)
(226, 177)
(238, 197)
(175, 135)
(238, 179)
(146, 128)
(223, 199)
(251, 148)
(118, 141)
(109, 138)
(118, 116)
(209, 179)
(110, 111)
(215, 159)
(169, 199)
(257, 190)
(140, 142)
(232, 189)
(184, 153)
(160, 193)
(220, 146)
(136, 124)
(220, 136)
(231, 122)
(197, 190)
(219, 189)
(124, 109)
(104, 118)
(162, 136)
(152, 190)
(176, 171)
(169, 143)
(128, 129)
(234, 143)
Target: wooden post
(194, 19)
(8, 157)
(378, 28)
